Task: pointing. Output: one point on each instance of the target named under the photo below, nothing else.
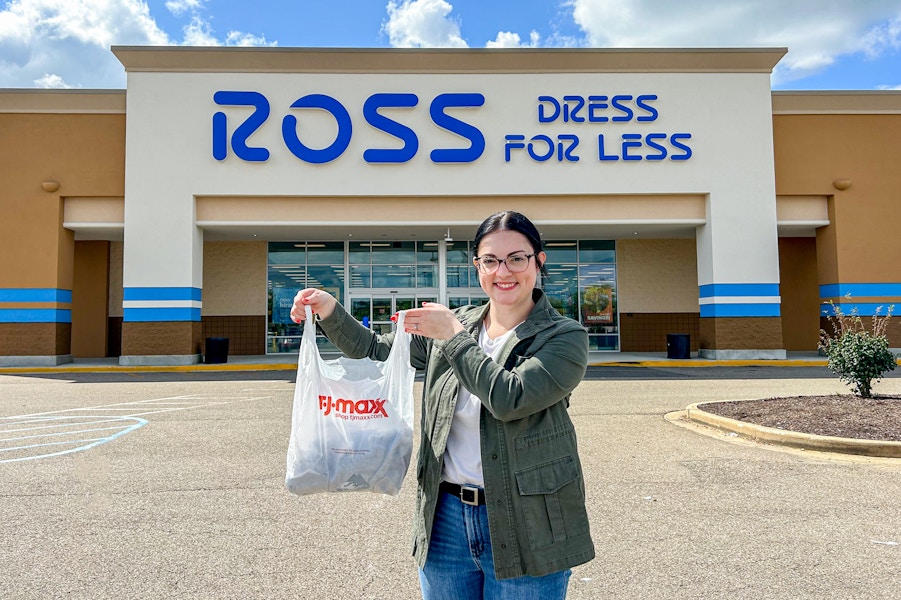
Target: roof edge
(219, 59)
(837, 102)
(34, 100)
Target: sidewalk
(286, 362)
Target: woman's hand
(433, 320)
(322, 303)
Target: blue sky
(833, 44)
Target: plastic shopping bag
(352, 423)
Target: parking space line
(77, 422)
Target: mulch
(847, 416)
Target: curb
(713, 363)
(198, 368)
(794, 439)
(204, 368)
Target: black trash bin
(678, 345)
(216, 350)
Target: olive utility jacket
(534, 490)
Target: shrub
(858, 355)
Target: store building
(675, 192)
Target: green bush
(857, 355)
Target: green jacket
(534, 488)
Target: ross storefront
(675, 193)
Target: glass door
(375, 309)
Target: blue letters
(454, 125)
(675, 141)
(565, 147)
(544, 117)
(569, 110)
(572, 114)
(632, 143)
(651, 141)
(513, 142)
(617, 103)
(535, 155)
(584, 112)
(631, 140)
(330, 152)
(597, 104)
(244, 130)
(642, 103)
(391, 127)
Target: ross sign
(586, 119)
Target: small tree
(858, 355)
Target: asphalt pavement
(176, 491)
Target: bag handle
(308, 325)
(308, 340)
(401, 345)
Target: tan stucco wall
(657, 276)
(234, 278)
(116, 250)
(85, 153)
(812, 151)
(89, 299)
(800, 293)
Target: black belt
(468, 494)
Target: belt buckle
(473, 493)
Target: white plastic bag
(352, 423)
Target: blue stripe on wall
(162, 293)
(149, 315)
(839, 290)
(35, 315)
(738, 289)
(740, 310)
(35, 295)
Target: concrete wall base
(159, 360)
(715, 354)
(35, 361)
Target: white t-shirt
(463, 455)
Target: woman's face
(504, 287)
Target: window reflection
(580, 283)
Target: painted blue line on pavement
(85, 444)
(59, 433)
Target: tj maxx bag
(352, 423)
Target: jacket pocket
(553, 502)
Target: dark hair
(510, 220)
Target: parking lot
(170, 485)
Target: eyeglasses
(516, 263)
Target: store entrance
(374, 308)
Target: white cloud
(422, 24)
(238, 38)
(199, 33)
(507, 39)
(815, 32)
(888, 87)
(52, 81)
(177, 7)
(70, 40)
(65, 43)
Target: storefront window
(388, 276)
(463, 287)
(293, 267)
(581, 284)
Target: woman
(500, 506)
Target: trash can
(678, 345)
(216, 350)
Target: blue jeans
(460, 565)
